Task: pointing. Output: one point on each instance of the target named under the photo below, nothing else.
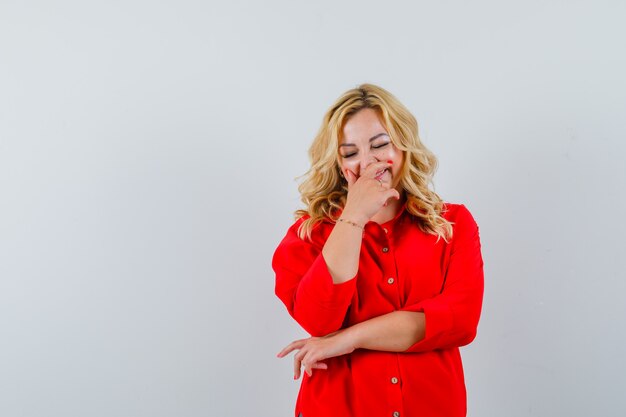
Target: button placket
(394, 387)
(387, 260)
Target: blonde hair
(324, 190)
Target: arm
(391, 332)
(448, 320)
(452, 316)
(305, 285)
(365, 197)
(316, 285)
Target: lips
(379, 174)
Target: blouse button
(390, 281)
(385, 250)
(394, 380)
(396, 414)
(385, 229)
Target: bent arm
(315, 283)
(449, 319)
(452, 316)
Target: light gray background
(148, 152)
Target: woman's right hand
(366, 194)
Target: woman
(385, 276)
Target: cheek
(396, 155)
(388, 152)
(351, 165)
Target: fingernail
(390, 161)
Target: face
(365, 140)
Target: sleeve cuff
(439, 321)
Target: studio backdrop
(149, 155)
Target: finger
(304, 363)
(297, 364)
(300, 356)
(393, 193)
(297, 344)
(389, 194)
(296, 368)
(350, 177)
(309, 362)
(375, 167)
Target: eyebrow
(371, 139)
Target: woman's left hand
(313, 350)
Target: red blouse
(400, 268)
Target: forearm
(342, 250)
(392, 332)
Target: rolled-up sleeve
(305, 286)
(452, 316)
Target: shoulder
(319, 232)
(456, 211)
(460, 216)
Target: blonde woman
(385, 276)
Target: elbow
(467, 330)
(467, 327)
(467, 336)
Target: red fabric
(443, 280)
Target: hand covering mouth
(380, 173)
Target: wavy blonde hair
(324, 190)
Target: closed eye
(382, 145)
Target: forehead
(362, 126)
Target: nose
(366, 161)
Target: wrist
(356, 217)
(351, 223)
(354, 336)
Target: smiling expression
(364, 141)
